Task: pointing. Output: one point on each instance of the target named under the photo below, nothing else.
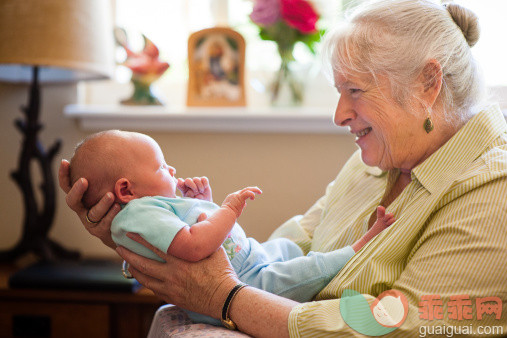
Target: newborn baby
(132, 166)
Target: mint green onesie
(277, 266)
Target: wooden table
(55, 314)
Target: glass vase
(287, 88)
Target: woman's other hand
(100, 215)
(201, 287)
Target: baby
(133, 167)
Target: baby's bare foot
(383, 220)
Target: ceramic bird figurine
(146, 68)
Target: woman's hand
(103, 212)
(200, 287)
(197, 187)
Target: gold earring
(428, 124)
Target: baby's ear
(123, 190)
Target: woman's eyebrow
(346, 84)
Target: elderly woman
(430, 152)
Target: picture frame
(216, 62)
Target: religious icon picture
(216, 62)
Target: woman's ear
(123, 190)
(430, 81)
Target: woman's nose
(344, 112)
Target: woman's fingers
(105, 223)
(136, 237)
(139, 268)
(115, 209)
(102, 230)
(64, 176)
(97, 220)
(147, 281)
(99, 210)
(75, 195)
(146, 266)
(159, 278)
(200, 287)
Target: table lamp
(48, 41)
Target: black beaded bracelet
(228, 323)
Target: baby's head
(131, 165)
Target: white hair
(397, 38)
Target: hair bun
(466, 20)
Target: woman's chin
(369, 158)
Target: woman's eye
(355, 91)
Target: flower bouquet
(287, 22)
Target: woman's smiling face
(389, 136)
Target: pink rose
(299, 14)
(265, 12)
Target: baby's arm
(205, 237)
(383, 221)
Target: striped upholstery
(449, 238)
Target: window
(491, 48)
(169, 23)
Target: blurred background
(292, 169)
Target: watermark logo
(459, 307)
(389, 311)
(390, 308)
(386, 314)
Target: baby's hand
(197, 187)
(237, 200)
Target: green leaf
(311, 40)
(286, 36)
(264, 34)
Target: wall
(292, 170)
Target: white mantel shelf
(183, 119)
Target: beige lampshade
(70, 40)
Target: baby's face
(151, 176)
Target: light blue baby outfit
(277, 266)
